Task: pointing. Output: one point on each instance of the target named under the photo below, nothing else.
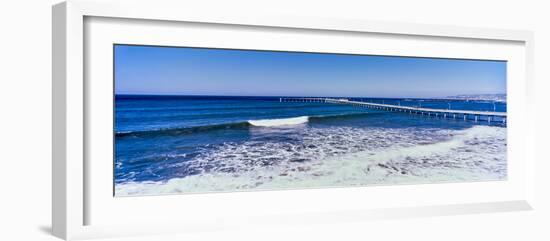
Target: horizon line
(305, 96)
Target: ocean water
(190, 144)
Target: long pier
(477, 116)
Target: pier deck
(489, 116)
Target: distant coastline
(482, 97)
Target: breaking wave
(280, 122)
(339, 156)
(236, 125)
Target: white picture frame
(75, 201)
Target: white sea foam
(279, 122)
(343, 156)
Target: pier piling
(490, 115)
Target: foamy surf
(344, 157)
(279, 122)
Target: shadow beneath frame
(46, 229)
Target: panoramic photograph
(195, 120)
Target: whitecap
(279, 122)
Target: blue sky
(196, 71)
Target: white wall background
(25, 133)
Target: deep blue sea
(181, 144)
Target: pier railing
(488, 116)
